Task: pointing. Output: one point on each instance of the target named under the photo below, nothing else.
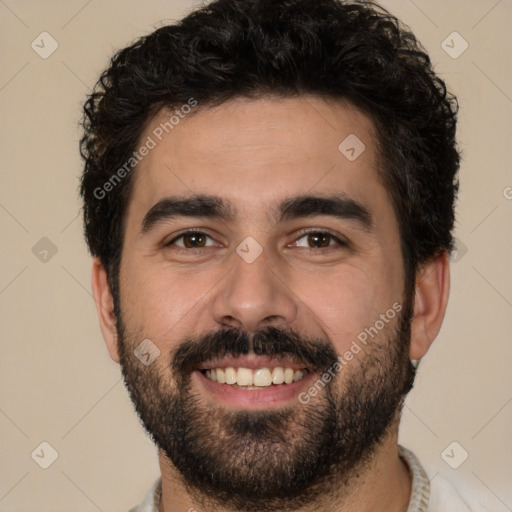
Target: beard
(280, 459)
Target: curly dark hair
(251, 48)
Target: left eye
(319, 239)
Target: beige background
(57, 382)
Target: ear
(430, 301)
(105, 307)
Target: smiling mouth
(255, 378)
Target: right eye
(189, 240)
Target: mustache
(317, 353)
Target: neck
(383, 484)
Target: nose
(254, 296)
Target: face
(263, 263)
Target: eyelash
(341, 243)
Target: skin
(254, 154)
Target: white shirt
(436, 495)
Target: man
(269, 196)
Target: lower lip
(271, 396)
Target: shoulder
(464, 493)
(452, 495)
(438, 490)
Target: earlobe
(430, 302)
(105, 308)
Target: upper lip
(252, 361)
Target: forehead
(254, 152)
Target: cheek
(164, 303)
(345, 302)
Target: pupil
(323, 238)
(195, 239)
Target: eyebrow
(204, 206)
(339, 206)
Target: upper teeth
(261, 377)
